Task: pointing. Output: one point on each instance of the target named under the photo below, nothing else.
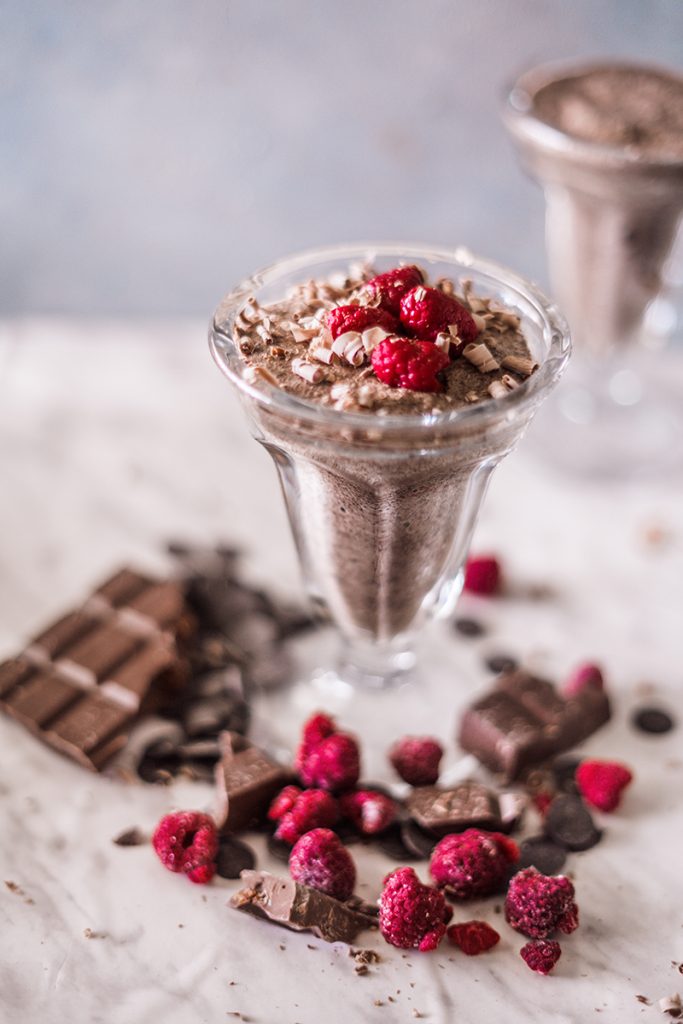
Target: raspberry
(317, 728)
(187, 842)
(473, 937)
(541, 956)
(314, 808)
(416, 759)
(392, 286)
(335, 763)
(427, 312)
(537, 904)
(472, 863)
(369, 811)
(482, 575)
(601, 783)
(357, 318)
(583, 676)
(319, 859)
(283, 802)
(413, 365)
(411, 915)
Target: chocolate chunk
(89, 729)
(392, 844)
(122, 586)
(417, 840)
(278, 848)
(541, 853)
(234, 857)
(569, 823)
(564, 772)
(298, 907)
(39, 698)
(652, 720)
(467, 805)
(131, 837)
(469, 627)
(247, 780)
(523, 721)
(64, 632)
(501, 663)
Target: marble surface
(113, 439)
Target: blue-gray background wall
(155, 150)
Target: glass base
(615, 420)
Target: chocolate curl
(354, 353)
(497, 389)
(321, 354)
(480, 355)
(249, 314)
(302, 334)
(509, 382)
(343, 341)
(307, 371)
(372, 337)
(523, 365)
(443, 342)
(257, 374)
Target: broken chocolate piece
(247, 780)
(569, 823)
(652, 720)
(234, 857)
(467, 805)
(298, 907)
(523, 721)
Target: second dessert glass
(382, 507)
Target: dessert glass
(612, 216)
(382, 507)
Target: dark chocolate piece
(467, 805)
(247, 780)
(543, 854)
(564, 773)
(278, 848)
(82, 683)
(234, 857)
(131, 837)
(569, 823)
(523, 721)
(298, 907)
(392, 844)
(652, 720)
(418, 841)
(469, 627)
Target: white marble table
(113, 439)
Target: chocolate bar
(467, 805)
(81, 684)
(524, 721)
(300, 908)
(247, 779)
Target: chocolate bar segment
(467, 805)
(82, 683)
(246, 780)
(298, 907)
(524, 721)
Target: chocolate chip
(131, 837)
(541, 853)
(233, 857)
(279, 849)
(417, 840)
(652, 720)
(569, 823)
(469, 627)
(391, 843)
(564, 772)
(500, 663)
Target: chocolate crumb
(645, 1000)
(90, 934)
(378, 1002)
(18, 891)
(365, 956)
(469, 627)
(131, 837)
(361, 969)
(416, 1014)
(652, 720)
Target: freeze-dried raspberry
(473, 937)
(541, 956)
(390, 288)
(426, 312)
(187, 842)
(583, 676)
(602, 782)
(358, 318)
(482, 575)
(537, 905)
(319, 859)
(411, 915)
(314, 808)
(416, 759)
(315, 730)
(334, 763)
(413, 365)
(283, 802)
(370, 812)
(472, 863)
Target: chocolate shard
(523, 721)
(247, 779)
(298, 907)
(467, 805)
